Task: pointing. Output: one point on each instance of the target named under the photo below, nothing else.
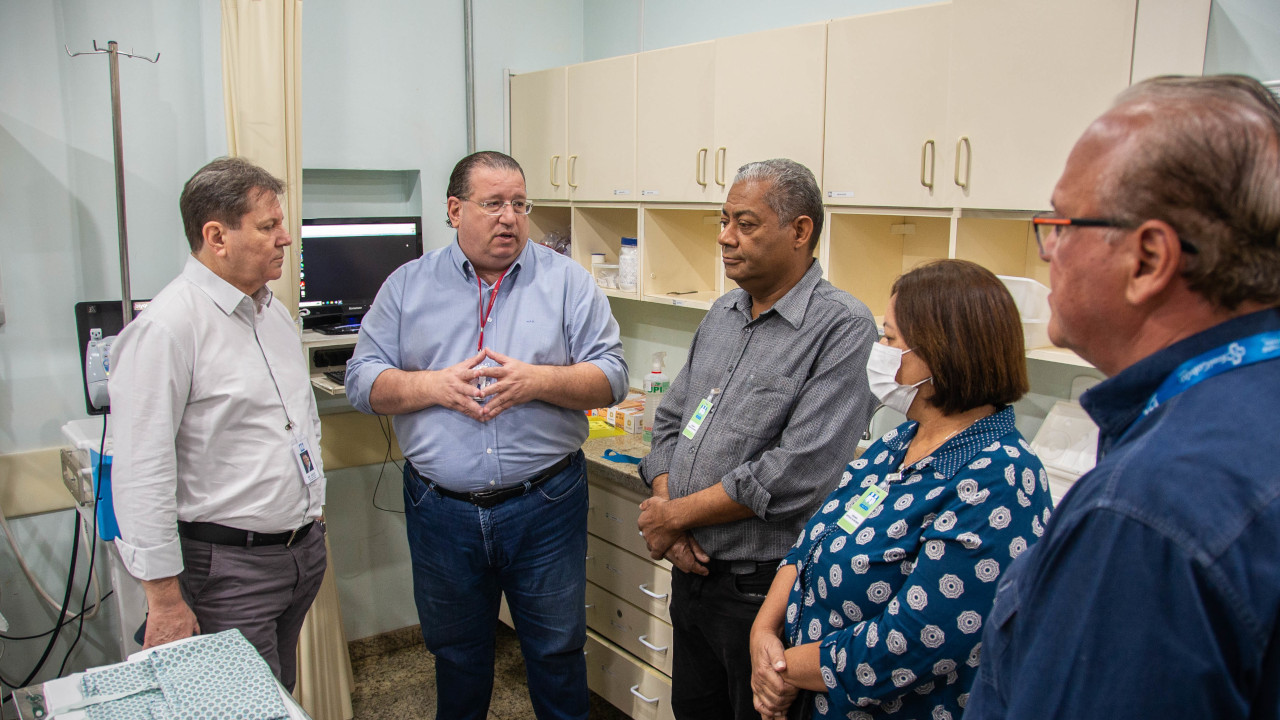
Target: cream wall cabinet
(675, 91)
(602, 130)
(1026, 79)
(886, 132)
(707, 109)
(539, 139)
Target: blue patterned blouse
(898, 606)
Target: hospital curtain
(261, 66)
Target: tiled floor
(398, 683)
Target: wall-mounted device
(97, 324)
(344, 262)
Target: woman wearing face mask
(878, 609)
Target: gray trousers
(264, 592)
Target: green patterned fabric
(209, 678)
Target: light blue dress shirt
(426, 317)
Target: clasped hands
(666, 539)
(771, 692)
(511, 383)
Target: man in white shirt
(217, 476)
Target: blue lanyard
(1236, 354)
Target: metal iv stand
(111, 50)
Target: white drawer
(614, 515)
(629, 684)
(637, 580)
(635, 630)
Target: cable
(62, 614)
(386, 459)
(55, 629)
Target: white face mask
(882, 375)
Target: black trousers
(711, 662)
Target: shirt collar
(791, 306)
(1116, 403)
(959, 450)
(225, 295)
(459, 260)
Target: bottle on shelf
(628, 265)
(655, 386)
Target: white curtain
(261, 66)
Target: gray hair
(223, 190)
(793, 191)
(1206, 160)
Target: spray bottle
(655, 386)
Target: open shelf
(680, 258)
(548, 218)
(1005, 246)
(869, 251)
(600, 230)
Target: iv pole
(117, 137)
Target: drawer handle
(588, 606)
(651, 646)
(635, 690)
(651, 594)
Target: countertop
(624, 474)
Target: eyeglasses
(494, 207)
(1047, 224)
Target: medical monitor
(343, 262)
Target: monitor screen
(343, 262)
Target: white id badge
(305, 458)
(483, 381)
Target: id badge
(864, 506)
(483, 381)
(695, 422)
(305, 458)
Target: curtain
(261, 66)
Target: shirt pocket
(1000, 622)
(760, 406)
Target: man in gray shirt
(754, 432)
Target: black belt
(223, 535)
(740, 567)
(491, 498)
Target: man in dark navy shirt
(1156, 589)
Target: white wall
(1244, 37)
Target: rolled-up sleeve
(830, 413)
(149, 384)
(378, 346)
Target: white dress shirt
(204, 385)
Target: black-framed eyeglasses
(1047, 224)
(494, 207)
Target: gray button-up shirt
(792, 402)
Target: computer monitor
(345, 260)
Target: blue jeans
(532, 549)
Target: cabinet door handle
(635, 690)
(555, 165)
(721, 156)
(700, 167)
(927, 150)
(573, 165)
(650, 593)
(651, 646)
(968, 161)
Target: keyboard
(338, 376)
(339, 329)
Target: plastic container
(606, 275)
(1032, 299)
(628, 265)
(655, 386)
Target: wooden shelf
(867, 252)
(679, 254)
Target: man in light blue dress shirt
(486, 352)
